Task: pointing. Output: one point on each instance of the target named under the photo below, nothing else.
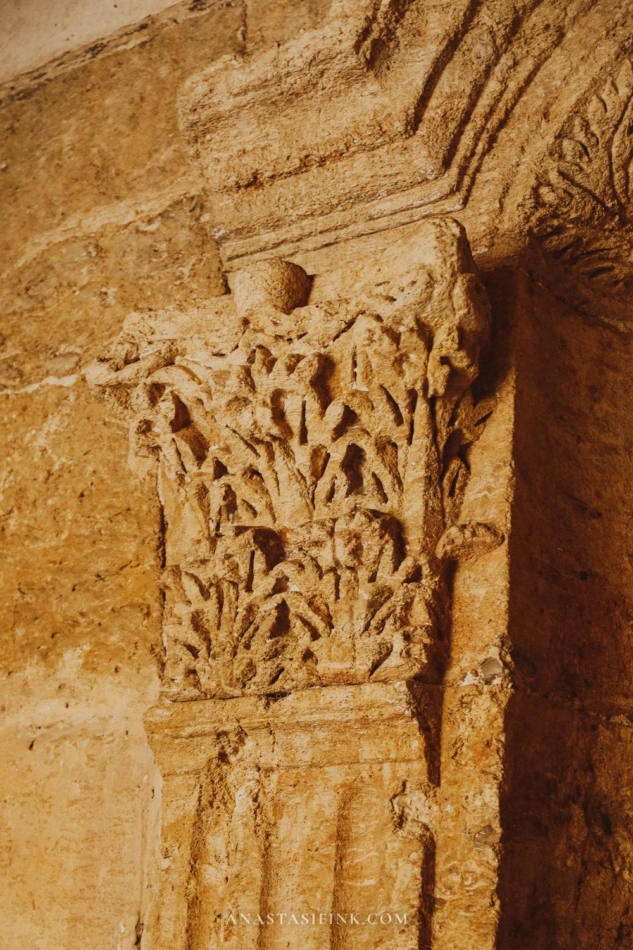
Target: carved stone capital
(311, 458)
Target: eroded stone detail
(311, 457)
(317, 804)
(382, 114)
(583, 198)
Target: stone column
(312, 463)
(298, 821)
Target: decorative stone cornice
(379, 118)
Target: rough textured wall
(101, 215)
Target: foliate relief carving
(583, 198)
(311, 457)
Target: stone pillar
(312, 458)
(298, 821)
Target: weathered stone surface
(96, 192)
(455, 727)
(318, 803)
(309, 470)
(377, 119)
(311, 482)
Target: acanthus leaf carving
(583, 214)
(311, 457)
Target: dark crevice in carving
(352, 468)
(393, 405)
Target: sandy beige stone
(309, 470)
(463, 742)
(311, 481)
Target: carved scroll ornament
(312, 458)
(583, 198)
